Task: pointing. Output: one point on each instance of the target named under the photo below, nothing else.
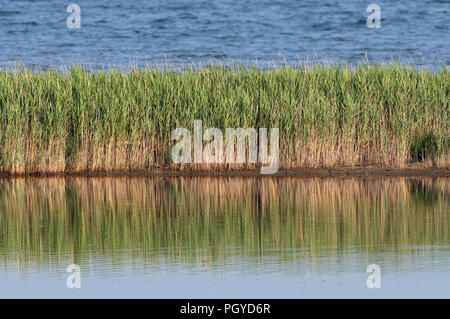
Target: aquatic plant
(328, 116)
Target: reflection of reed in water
(209, 219)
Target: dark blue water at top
(118, 32)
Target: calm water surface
(115, 32)
(225, 237)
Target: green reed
(81, 120)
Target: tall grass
(81, 120)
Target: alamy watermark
(235, 151)
(74, 279)
(74, 20)
(374, 279)
(374, 19)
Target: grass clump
(425, 146)
(82, 120)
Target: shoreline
(360, 172)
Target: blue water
(118, 32)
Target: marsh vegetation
(81, 120)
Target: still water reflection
(224, 237)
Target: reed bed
(329, 116)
